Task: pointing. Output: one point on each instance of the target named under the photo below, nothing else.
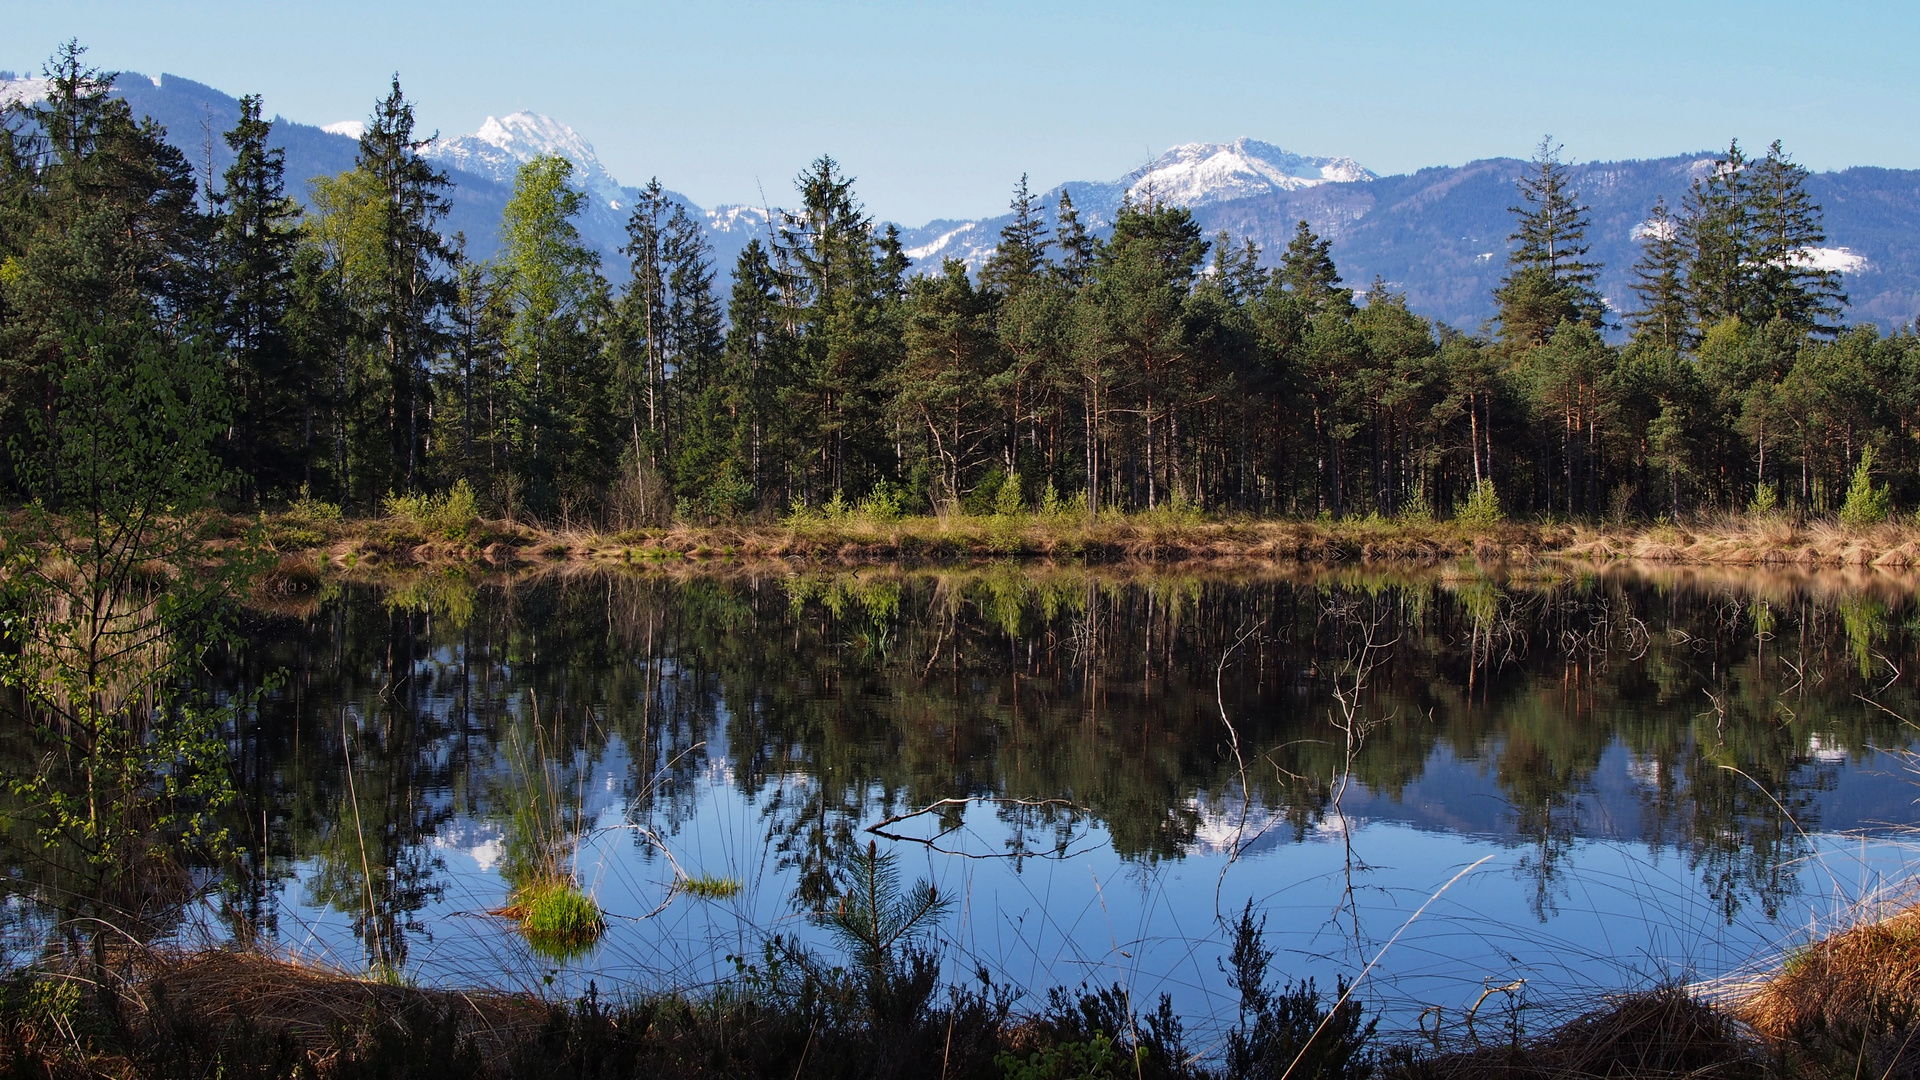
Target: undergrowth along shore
(434, 538)
(1845, 1006)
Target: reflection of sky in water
(1617, 911)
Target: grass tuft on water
(707, 887)
(558, 919)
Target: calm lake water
(1651, 775)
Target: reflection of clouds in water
(1821, 750)
(482, 841)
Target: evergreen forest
(347, 350)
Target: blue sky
(938, 108)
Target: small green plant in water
(1483, 508)
(1866, 505)
(707, 887)
(559, 921)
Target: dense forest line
(350, 351)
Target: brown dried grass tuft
(1663, 1033)
(1858, 986)
(310, 1003)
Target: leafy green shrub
(1095, 1059)
(883, 503)
(311, 511)
(1008, 501)
(1418, 509)
(1483, 508)
(449, 515)
(1766, 499)
(1866, 505)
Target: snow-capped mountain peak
(1197, 174)
(503, 144)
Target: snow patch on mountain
(1841, 260)
(942, 246)
(352, 129)
(730, 219)
(1197, 174)
(1659, 230)
(503, 144)
(23, 91)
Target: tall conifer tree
(1660, 282)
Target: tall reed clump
(557, 917)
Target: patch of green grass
(559, 921)
(708, 887)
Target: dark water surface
(1652, 776)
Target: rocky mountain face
(1439, 235)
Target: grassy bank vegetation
(435, 532)
(1844, 1006)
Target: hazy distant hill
(1438, 234)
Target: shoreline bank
(1846, 1000)
(1143, 539)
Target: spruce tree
(1660, 282)
(1077, 246)
(413, 284)
(1307, 271)
(1785, 225)
(1548, 278)
(1022, 250)
(1716, 229)
(255, 237)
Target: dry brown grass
(1751, 540)
(229, 989)
(1855, 993)
(1664, 1033)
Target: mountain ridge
(1437, 234)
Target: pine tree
(642, 374)
(1548, 278)
(1785, 224)
(255, 237)
(1660, 282)
(837, 282)
(100, 232)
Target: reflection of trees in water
(830, 698)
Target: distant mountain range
(1439, 235)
